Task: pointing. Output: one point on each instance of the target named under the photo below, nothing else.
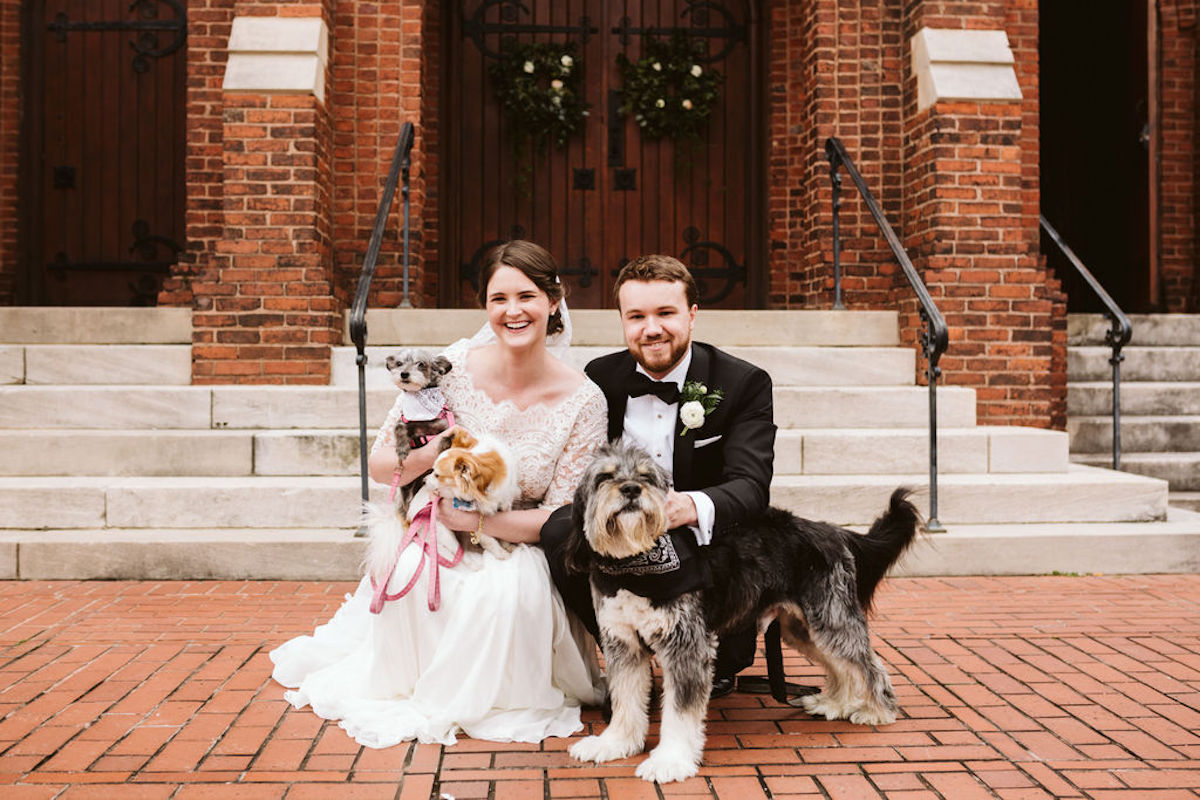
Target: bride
(500, 659)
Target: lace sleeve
(386, 436)
(588, 432)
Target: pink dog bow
(422, 529)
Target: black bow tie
(639, 384)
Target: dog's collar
(673, 567)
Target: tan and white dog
(476, 473)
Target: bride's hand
(456, 519)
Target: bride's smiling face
(517, 309)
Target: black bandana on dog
(673, 567)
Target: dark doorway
(104, 147)
(1095, 161)
(611, 194)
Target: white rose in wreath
(566, 61)
(691, 414)
(528, 67)
(696, 71)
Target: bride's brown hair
(535, 263)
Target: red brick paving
(1021, 688)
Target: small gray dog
(816, 578)
(423, 410)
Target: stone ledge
(963, 65)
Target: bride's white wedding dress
(500, 659)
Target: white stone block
(105, 407)
(963, 65)
(308, 452)
(51, 503)
(892, 452)
(871, 407)
(99, 452)
(109, 364)
(277, 54)
(279, 35)
(291, 502)
(95, 325)
(1015, 449)
(12, 364)
(297, 407)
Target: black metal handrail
(401, 163)
(934, 338)
(1116, 337)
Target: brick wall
(1179, 170)
(10, 144)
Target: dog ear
(577, 555)
(442, 365)
(390, 362)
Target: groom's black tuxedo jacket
(731, 455)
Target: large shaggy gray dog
(816, 578)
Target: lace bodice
(552, 445)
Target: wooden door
(105, 142)
(611, 194)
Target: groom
(721, 468)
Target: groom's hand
(681, 510)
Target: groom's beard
(660, 360)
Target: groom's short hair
(657, 267)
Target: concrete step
(1123, 548)
(871, 407)
(1140, 364)
(1171, 545)
(181, 502)
(1157, 398)
(1093, 434)
(273, 407)
(180, 453)
(1185, 500)
(1180, 469)
(1082, 494)
(426, 327)
(788, 366)
(168, 364)
(1165, 330)
(900, 451)
(95, 325)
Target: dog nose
(403, 376)
(631, 490)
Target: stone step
(1157, 398)
(1164, 330)
(180, 453)
(1140, 364)
(834, 451)
(788, 366)
(1093, 434)
(841, 451)
(1189, 501)
(431, 327)
(181, 502)
(871, 407)
(95, 325)
(1179, 469)
(273, 407)
(1082, 494)
(96, 364)
(1171, 545)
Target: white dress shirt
(650, 424)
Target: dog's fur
(816, 578)
(479, 473)
(414, 370)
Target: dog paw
(599, 749)
(873, 716)
(667, 767)
(819, 705)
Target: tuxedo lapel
(681, 464)
(613, 386)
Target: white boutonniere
(696, 401)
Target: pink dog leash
(423, 528)
(448, 415)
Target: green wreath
(538, 87)
(668, 91)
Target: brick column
(971, 207)
(264, 306)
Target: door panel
(106, 141)
(610, 195)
